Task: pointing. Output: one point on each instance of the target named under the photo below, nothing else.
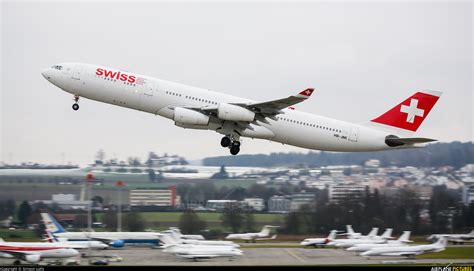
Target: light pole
(119, 184)
(89, 180)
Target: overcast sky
(362, 59)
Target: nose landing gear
(75, 106)
(232, 144)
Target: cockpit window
(57, 67)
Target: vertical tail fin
(387, 233)
(373, 232)
(405, 237)
(51, 223)
(409, 114)
(332, 235)
(442, 241)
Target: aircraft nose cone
(46, 73)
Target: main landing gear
(233, 145)
(75, 106)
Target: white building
(340, 192)
(255, 203)
(279, 204)
(222, 204)
(154, 197)
(468, 190)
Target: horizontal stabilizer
(408, 140)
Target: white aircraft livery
(235, 117)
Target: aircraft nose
(46, 73)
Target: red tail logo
(410, 113)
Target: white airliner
(403, 240)
(114, 239)
(264, 234)
(316, 242)
(235, 117)
(407, 251)
(75, 244)
(34, 252)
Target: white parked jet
(401, 241)
(235, 117)
(264, 234)
(351, 234)
(75, 244)
(170, 238)
(114, 239)
(371, 238)
(316, 242)
(197, 252)
(454, 238)
(34, 252)
(187, 236)
(407, 251)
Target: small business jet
(454, 238)
(317, 242)
(170, 238)
(407, 251)
(264, 234)
(198, 252)
(403, 240)
(371, 238)
(235, 117)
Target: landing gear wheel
(225, 142)
(75, 107)
(235, 148)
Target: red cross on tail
(410, 113)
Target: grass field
(208, 217)
(451, 253)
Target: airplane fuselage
(160, 97)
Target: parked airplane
(34, 252)
(371, 238)
(401, 241)
(114, 239)
(75, 244)
(354, 235)
(171, 238)
(187, 236)
(264, 234)
(351, 234)
(235, 117)
(407, 251)
(316, 242)
(454, 238)
(197, 252)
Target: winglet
(306, 93)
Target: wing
(273, 107)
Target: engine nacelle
(188, 116)
(117, 243)
(33, 258)
(234, 113)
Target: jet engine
(117, 243)
(234, 113)
(189, 117)
(33, 258)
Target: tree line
(454, 154)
